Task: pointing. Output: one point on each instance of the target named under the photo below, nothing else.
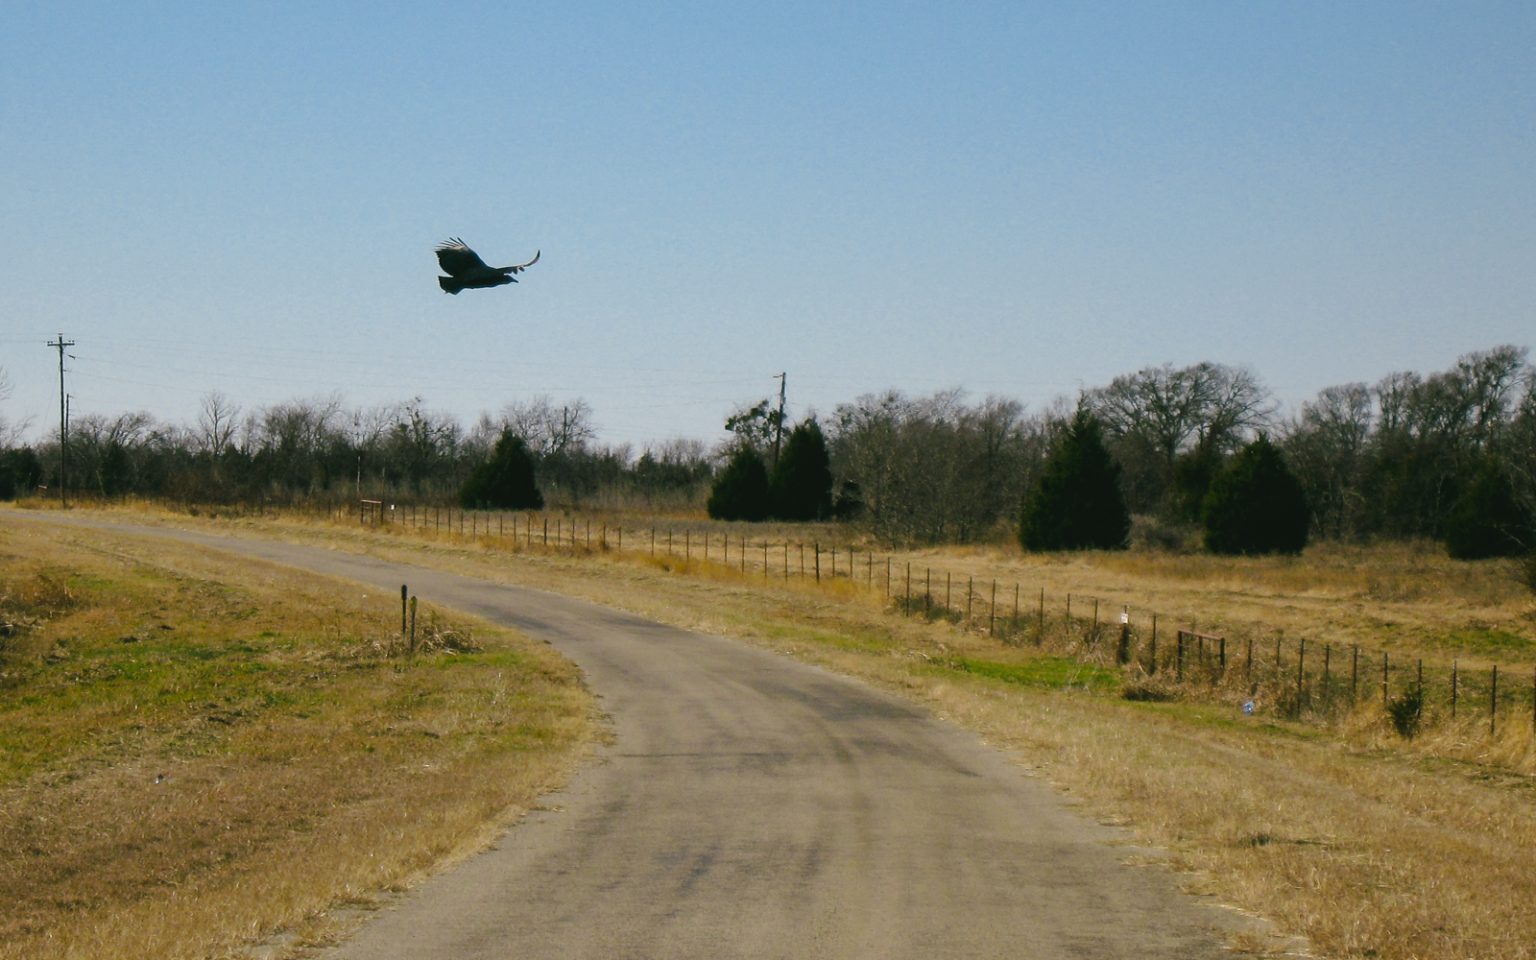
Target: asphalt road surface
(754, 807)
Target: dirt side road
(751, 806)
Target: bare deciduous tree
(933, 468)
(1327, 443)
(9, 432)
(1158, 414)
(1207, 405)
(548, 429)
(216, 422)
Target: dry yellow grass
(1409, 598)
(180, 731)
(1363, 843)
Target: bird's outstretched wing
(519, 268)
(457, 260)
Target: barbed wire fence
(1161, 657)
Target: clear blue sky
(1013, 198)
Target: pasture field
(200, 754)
(1343, 833)
(1405, 597)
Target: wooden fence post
(403, 591)
(1493, 703)
(1301, 673)
(992, 611)
(1123, 647)
(1040, 620)
(1453, 689)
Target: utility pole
(778, 426)
(61, 343)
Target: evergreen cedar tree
(742, 492)
(1488, 521)
(801, 486)
(505, 481)
(20, 473)
(1256, 505)
(1076, 503)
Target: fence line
(1311, 684)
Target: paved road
(754, 807)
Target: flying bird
(465, 268)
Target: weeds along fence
(1160, 657)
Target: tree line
(320, 451)
(1413, 455)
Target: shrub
(1406, 710)
(1076, 502)
(802, 479)
(505, 481)
(1256, 505)
(1488, 521)
(742, 491)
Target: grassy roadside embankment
(1366, 845)
(199, 753)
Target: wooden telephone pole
(61, 343)
(778, 426)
